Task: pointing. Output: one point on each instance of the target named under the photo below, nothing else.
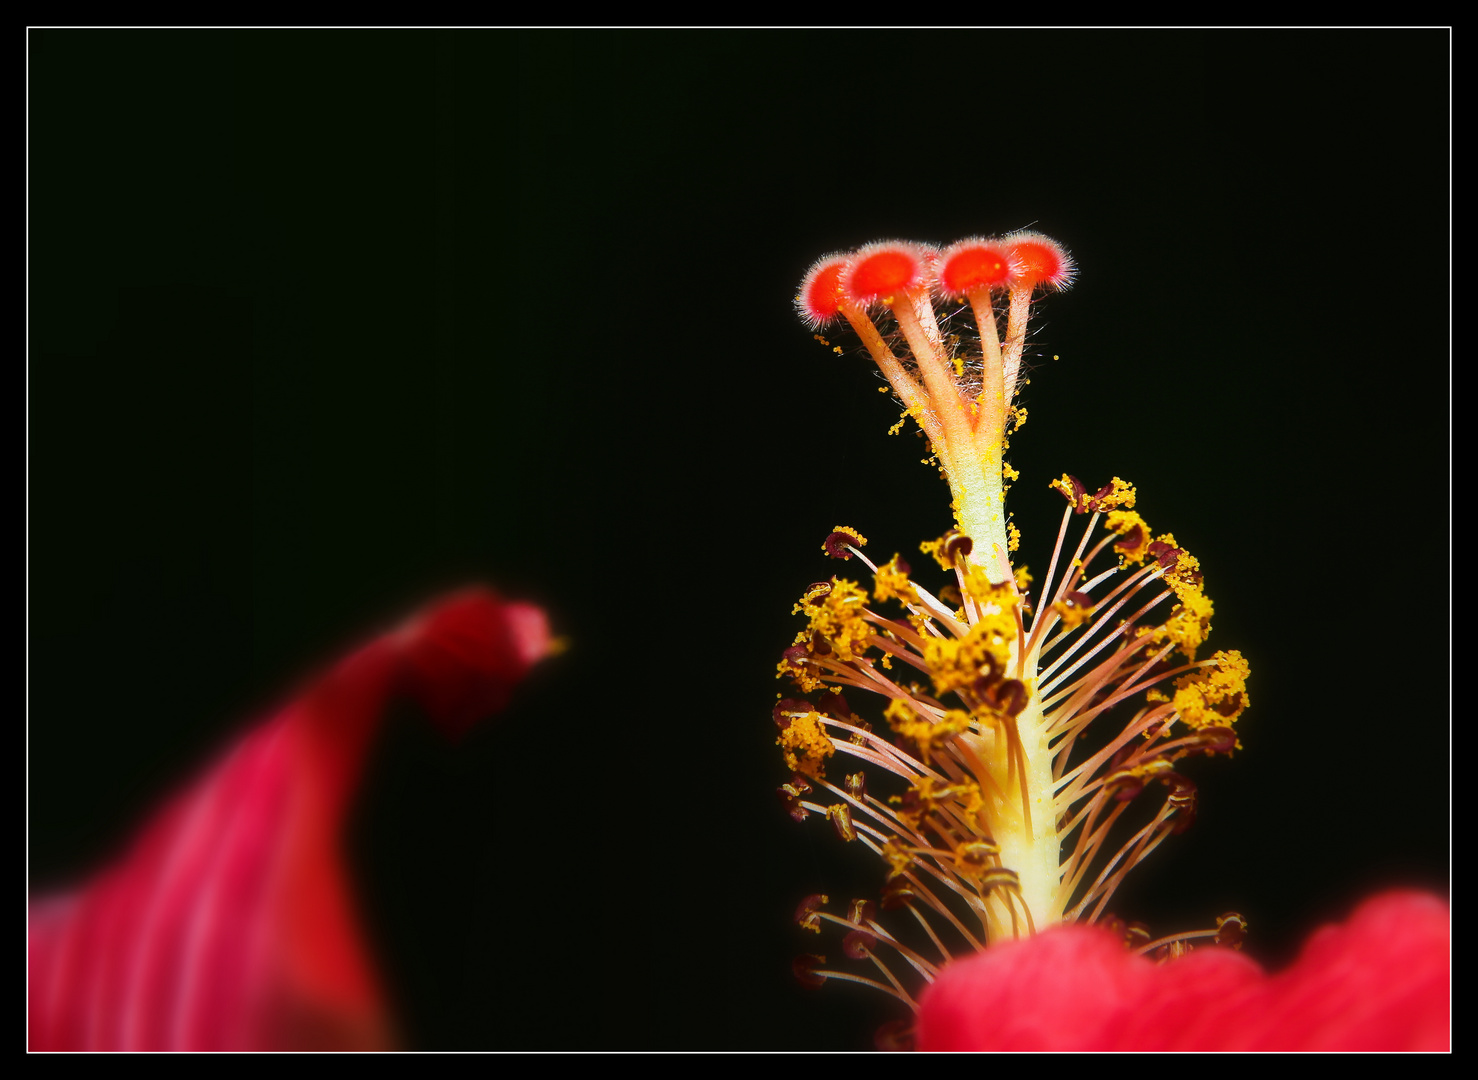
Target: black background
(323, 323)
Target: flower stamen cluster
(994, 807)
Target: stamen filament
(892, 991)
(944, 953)
(921, 965)
(1144, 841)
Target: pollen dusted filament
(993, 810)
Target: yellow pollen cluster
(1124, 522)
(930, 736)
(836, 610)
(1121, 495)
(1213, 697)
(1072, 612)
(858, 540)
(927, 795)
(956, 663)
(806, 744)
(937, 550)
(994, 600)
(1185, 576)
(891, 583)
(1114, 494)
(1189, 624)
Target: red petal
(465, 657)
(229, 924)
(1380, 981)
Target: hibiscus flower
(1032, 728)
(230, 924)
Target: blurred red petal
(229, 924)
(1379, 981)
(464, 657)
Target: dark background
(322, 323)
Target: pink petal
(229, 924)
(1380, 981)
